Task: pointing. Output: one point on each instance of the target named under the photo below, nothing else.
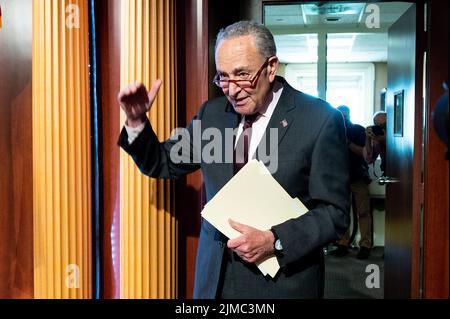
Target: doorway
(339, 52)
(428, 250)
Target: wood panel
(436, 198)
(62, 207)
(193, 91)
(21, 138)
(108, 47)
(16, 196)
(148, 251)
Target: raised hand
(369, 132)
(377, 138)
(136, 101)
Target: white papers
(253, 197)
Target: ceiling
(350, 38)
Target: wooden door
(404, 153)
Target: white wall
(281, 69)
(380, 82)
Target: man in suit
(311, 164)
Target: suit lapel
(231, 120)
(282, 119)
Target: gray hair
(380, 113)
(377, 114)
(264, 40)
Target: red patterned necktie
(240, 156)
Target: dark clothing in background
(357, 165)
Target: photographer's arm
(358, 150)
(367, 151)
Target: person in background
(359, 186)
(376, 141)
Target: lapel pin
(284, 123)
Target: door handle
(384, 180)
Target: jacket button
(221, 244)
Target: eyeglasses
(243, 83)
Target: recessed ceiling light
(333, 8)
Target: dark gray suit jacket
(312, 165)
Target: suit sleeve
(170, 159)
(328, 218)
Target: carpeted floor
(345, 277)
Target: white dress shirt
(133, 132)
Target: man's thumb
(237, 226)
(154, 90)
